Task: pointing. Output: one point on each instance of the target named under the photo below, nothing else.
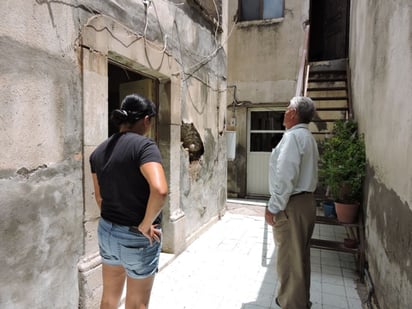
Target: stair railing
(349, 87)
(301, 84)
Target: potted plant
(342, 167)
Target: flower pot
(346, 213)
(329, 209)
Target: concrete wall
(263, 56)
(263, 64)
(381, 64)
(53, 90)
(41, 204)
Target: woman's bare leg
(138, 292)
(113, 283)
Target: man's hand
(269, 217)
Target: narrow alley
(232, 266)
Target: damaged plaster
(191, 141)
(41, 213)
(380, 58)
(389, 239)
(54, 82)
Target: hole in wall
(192, 141)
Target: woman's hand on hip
(152, 232)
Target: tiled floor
(232, 266)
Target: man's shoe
(277, 303)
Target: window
(266, 130)
(260, 9)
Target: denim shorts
(131, 249)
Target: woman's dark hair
(133, 108)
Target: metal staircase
(328, 84)
(329, 87)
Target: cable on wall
(187, 73)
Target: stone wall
(381, 64)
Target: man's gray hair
(304, 107)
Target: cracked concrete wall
(381, 64)
(41, 202)
(263, 63)
(48, 247)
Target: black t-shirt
(123, 188)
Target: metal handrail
(349, 87)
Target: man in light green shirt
(291, 210)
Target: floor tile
(238, 271)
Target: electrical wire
(161, 28)
(187, 73)
(218, 20)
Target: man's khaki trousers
(292, 232)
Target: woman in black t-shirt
(130, 189)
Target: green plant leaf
(343, 161)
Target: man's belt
(301, 193)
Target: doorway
(329, 29)
(123, 81)
(265, 132)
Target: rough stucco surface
(40, 169)
(42, 193)
(389, 248)
(263, 59)
(41, 241)
(263, 64)
(381, 65)
(31, 126)
(197, 202)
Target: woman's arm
(97, 195)
(155, 176)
